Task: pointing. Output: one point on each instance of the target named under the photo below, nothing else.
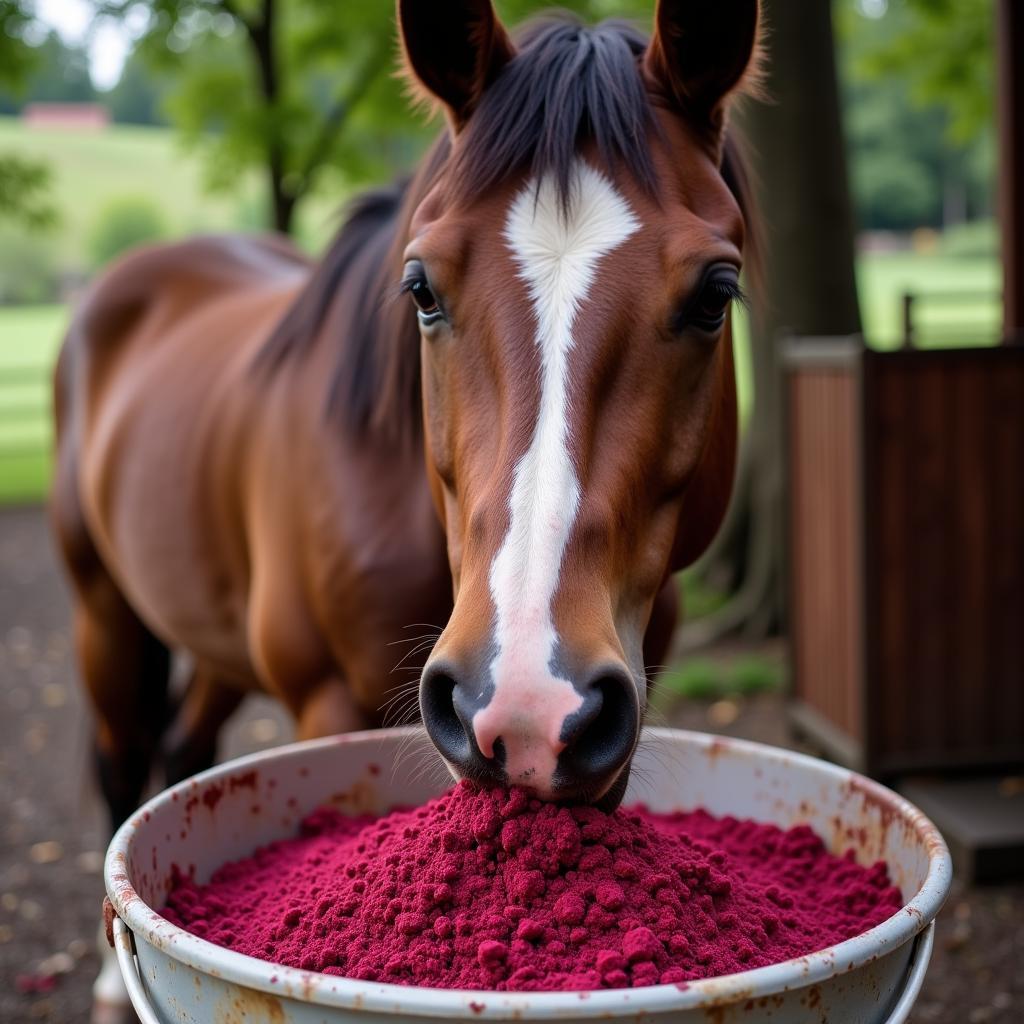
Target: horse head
(572, 266)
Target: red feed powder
(495, 890)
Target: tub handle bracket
(124, 947)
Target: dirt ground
(52, 834)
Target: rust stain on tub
(726, 1004)
(888, 812)
(721, 1013)
(362, 797)
(214, 792)
(892, 824)
(247, 1006)
(309, 985)
(108, 920)
(718, 746)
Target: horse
(502, 405)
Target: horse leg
(190, 744)
(125, 670)
(325, 709)
(124, 667)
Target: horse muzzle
(565, 740)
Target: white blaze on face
(557, 253)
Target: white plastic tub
(225, 813)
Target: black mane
(568, 84)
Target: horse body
(203, 506)
(164, 434)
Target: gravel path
(52, 833)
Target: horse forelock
(568, 84)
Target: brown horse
(279, 468)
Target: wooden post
(1010, 51)
(908, 320)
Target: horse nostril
(447, 707)
(498, 747)
(442, 722)
(600, 736)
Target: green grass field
(29, 339)
(958, 305)
(92, 169)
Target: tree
(56, 73)
(918, 110)
(271, 84)
(25, 191)
(296, 88)
(24, 184)
(16, 57)
(919, 106)
(944, 50)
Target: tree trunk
(798, 157)
(262, 36)
(282, 207)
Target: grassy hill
(91, 169)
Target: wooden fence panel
(906, 532)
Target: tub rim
(327, 990)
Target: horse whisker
(413, 639)
(426, 645)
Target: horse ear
(707, 495)
(453, 49)
(701, 51)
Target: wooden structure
(906, 535)
(71, 116)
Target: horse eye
(423, 297)
(720, 286)
(414, 281)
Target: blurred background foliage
(918, 84)
(23, 182)
(300, 96)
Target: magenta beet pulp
(494, 890)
